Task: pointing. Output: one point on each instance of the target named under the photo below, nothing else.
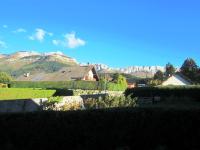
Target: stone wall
(26, 105)
(31, 105)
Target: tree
(115, 77)
(102, 82)
(169, 70)
(197, 76)
(5, 78)
(189, 68)
(159, 75)
(120, 80)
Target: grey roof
(67, 73)
(184, 77)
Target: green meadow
(24, 93)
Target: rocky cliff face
(131, 70)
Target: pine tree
(169, 70)
(189, 68)
(159, 75)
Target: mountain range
(22, 62)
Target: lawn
(24, 93)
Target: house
(177, 79)
(131, 85)
(86, 73)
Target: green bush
(77, 92)
(110, 102)
(55, 99)
(50, 104)
(24, 93)
(175, 91)
(2, 85)
(5, 78)
(107, 129)
(116, 87)
(56, 104)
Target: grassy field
(24, 93)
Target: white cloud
(50, 34)
(70, 41)
(5, 26)
(31, 38)
(56, 42)
(20, 30)
(3, 44)
(40, 34)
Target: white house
(177, 79)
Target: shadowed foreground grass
(140, 128)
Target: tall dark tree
(5, 78)
(189, 68)
(197, 76)
(159, 75)
(169, 70)
(115, 77)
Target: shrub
(56, 104)
(116, 87)
(50, 104)
(53, 100)
(2, 85)
(110, 102)
(5, 78)
(77, 92)
(90, 103)
(71, 106)
(176, 91)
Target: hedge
(175, 91)
(113, 129)
(85, 85)
(52, 84)
(24, 93)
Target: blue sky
(114, 32)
